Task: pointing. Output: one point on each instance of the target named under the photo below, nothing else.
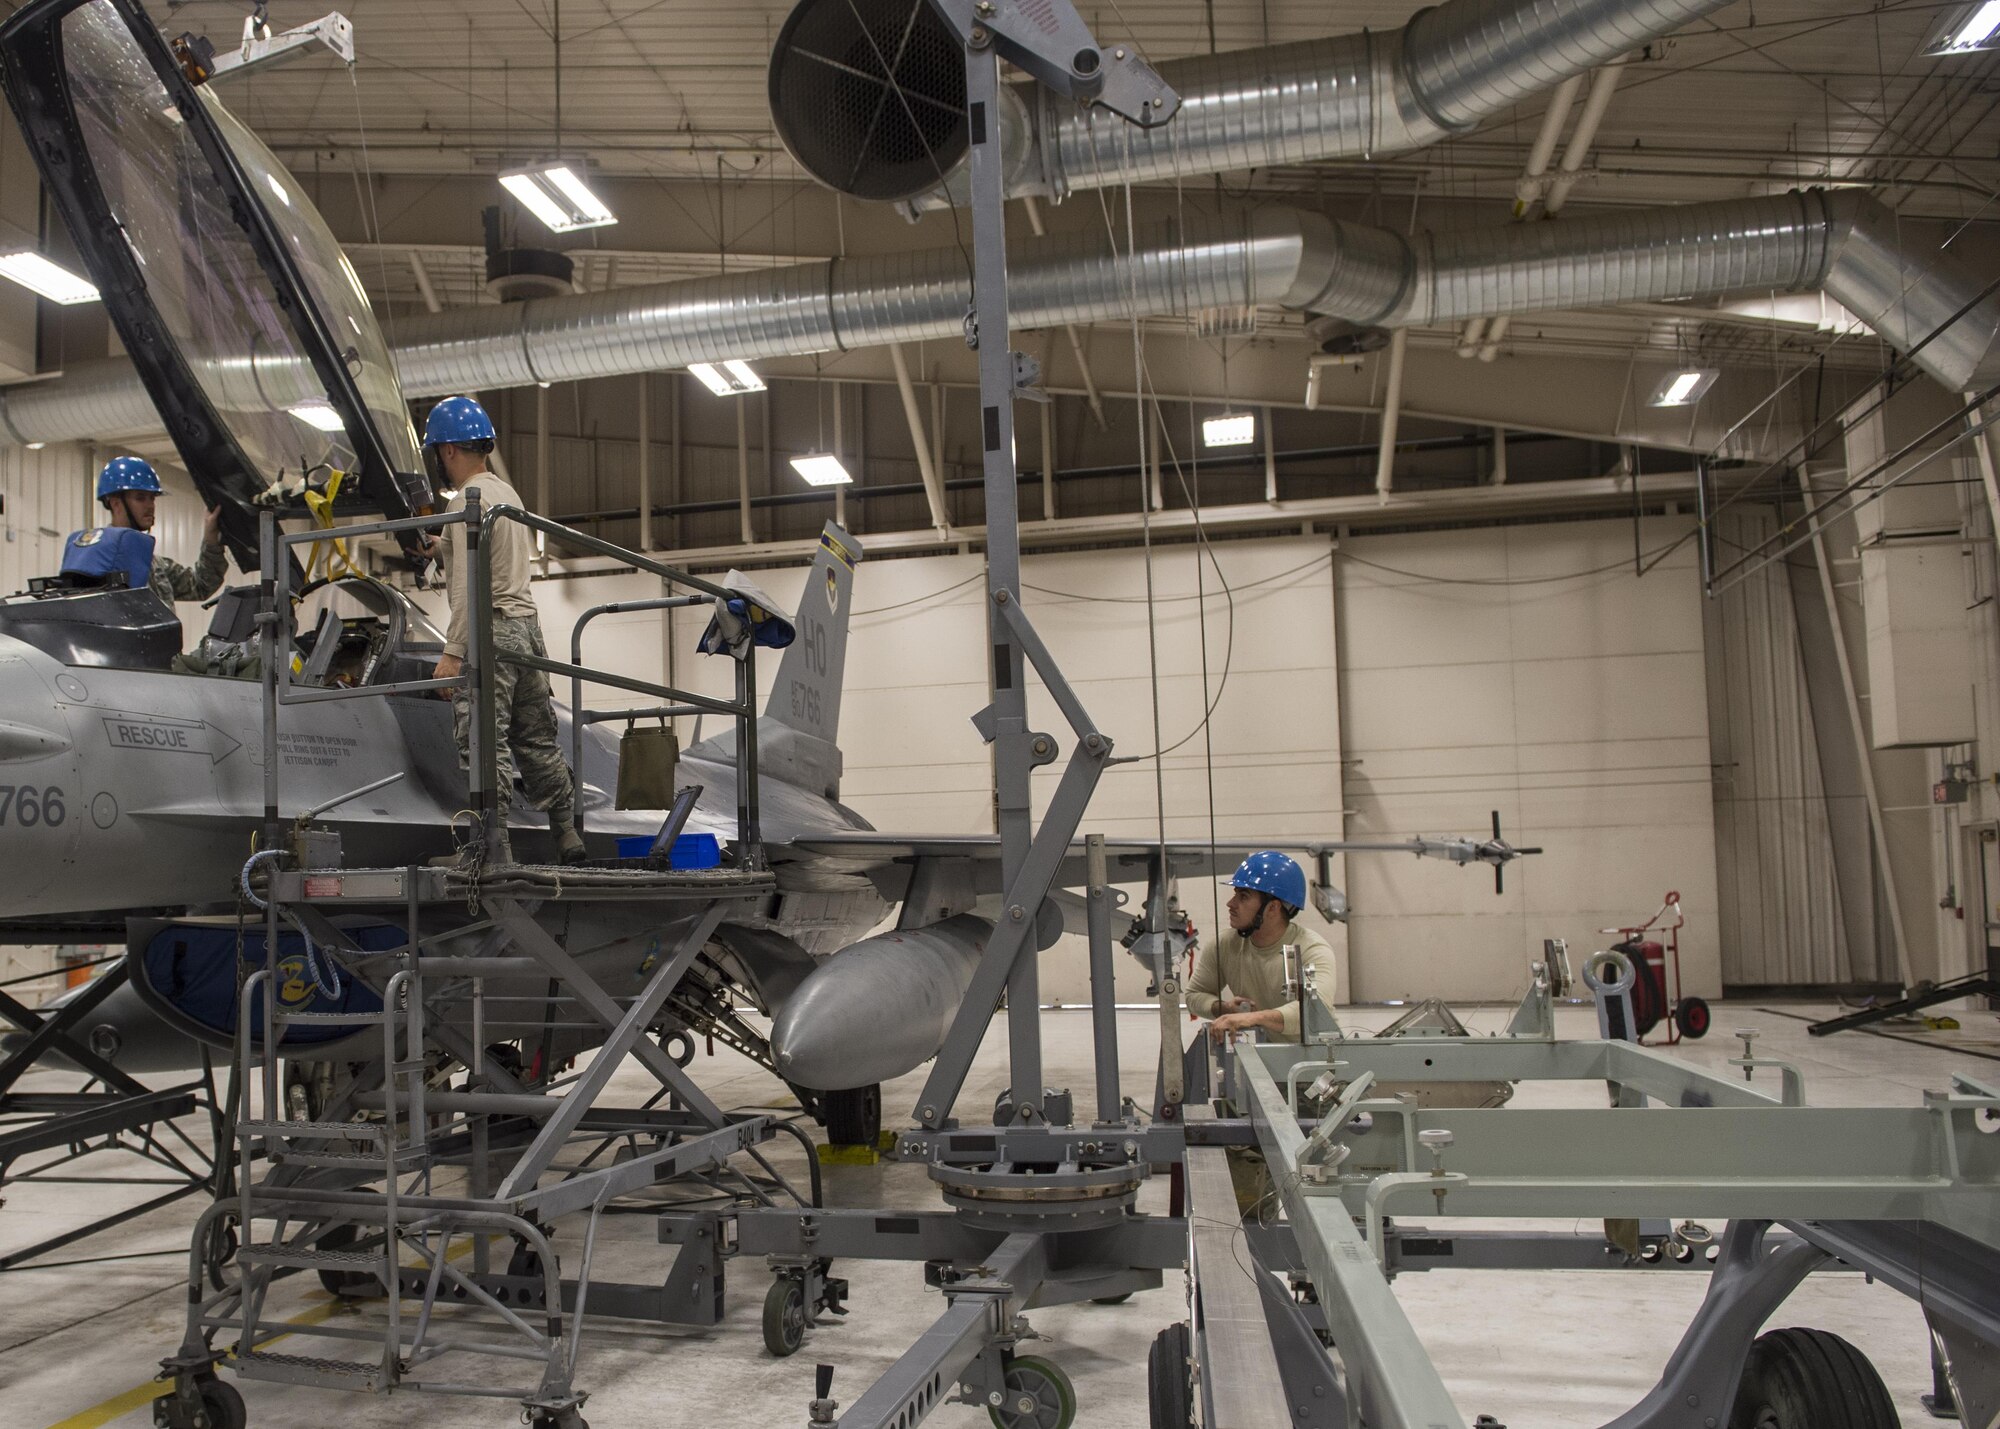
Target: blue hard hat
(126, 473)
(1274, 873)
(457, 419)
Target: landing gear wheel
(1170, 1379)
(1810, 1379)
(1692, 1017)
(784, 1317)
(347, 1284)
(223, 1405)
(854, 1116)
(1038, 1396)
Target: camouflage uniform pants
(525, 721)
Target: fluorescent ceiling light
(1978, 32)
(1231, 429)
(319, 414)
(1682, 389)
(729, 379)
(51, 280)
(558, 197)
(821, 469)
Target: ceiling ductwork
(1841, 242)
(1349, 96)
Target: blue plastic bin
(696, 851)
(689, 851)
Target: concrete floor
(1548, 1350)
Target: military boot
(569, 843)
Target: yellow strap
(321, 506)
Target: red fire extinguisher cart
(1656, 987)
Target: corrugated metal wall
(1780, 905)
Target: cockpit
(352, 630)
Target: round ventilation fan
(869, 95)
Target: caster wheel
(1692, 1017)
(679, 1047)
(1038, 1396)
(222, 1405)
(784, 1317)
(1170, 1379)
(1111, 1299)
(1810, 1379)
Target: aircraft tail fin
(806, 695)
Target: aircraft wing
(881, 855)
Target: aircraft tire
(854, 1116)
(1810, 1379)
(1170, 1379)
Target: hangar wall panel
(1524, 669)
(916, 672)
(1779, 892)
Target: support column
(645, 462)
(933, 493)
(747, 536)
(1270, 456)
(542, 451)
(839, 452)
(1392, 411)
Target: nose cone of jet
(878, 1009)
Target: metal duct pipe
(1841, 242)
(1349, 96)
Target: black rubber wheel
(853, 1116)
(1692, 1017)
(1038, 1396)
(1170, 1379)
(524, 1263)
(1810, 1379)
(348, 1284)
(1649, 998)
(223, 1405)
(679, 1047)
(784, 1316)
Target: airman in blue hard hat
(458, 445)
(1248, 961)
(128, 488)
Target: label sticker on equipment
(153, 734)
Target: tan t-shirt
(1234, 962)
(513, 553)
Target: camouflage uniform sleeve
(175, 581)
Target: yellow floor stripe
(97, 1416)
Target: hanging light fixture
(822, 469)
(53, 281)
(1231, 429)
(1684, 388)
(555, 194)
(727, 379)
